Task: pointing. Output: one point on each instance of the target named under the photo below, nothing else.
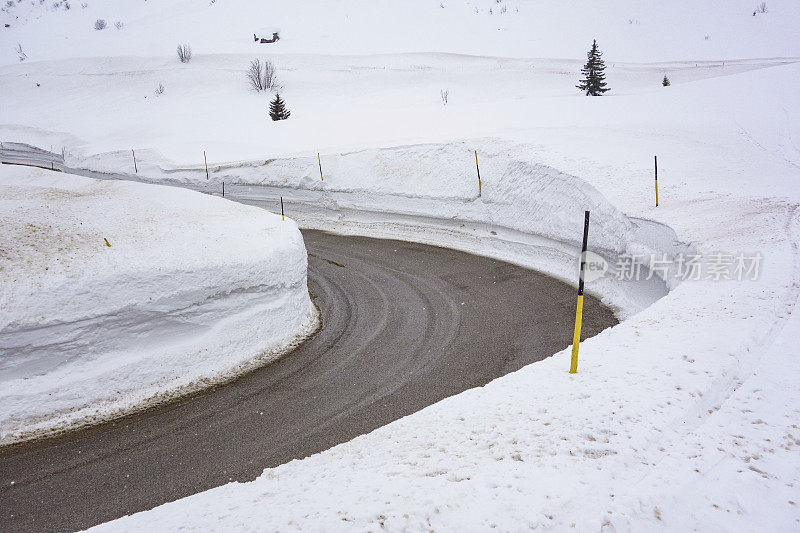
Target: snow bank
(525, 212)
(116, 296)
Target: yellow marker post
(282, 217)
(135, 168)
(655, 159)
(320, 167)
(479, 172)
(107, 243)
(206, 162)
(576, 338)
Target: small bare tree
(445, 94)
(99, 24)
(184, 53)
(160, 89)
(263, 76)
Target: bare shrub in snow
(445, 94)
(99, 24)
(119, 24)
(22, 55)
(160, 89)
(263, 76)
(761, 8)
(184, 53)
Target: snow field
(192, 291)
(627, 29)
(682, 417)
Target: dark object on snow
(277, 109)
(594, 77)
(665, 82)
(275, 37)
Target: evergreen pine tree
(665, 82)
(594, 77)
(277, 109)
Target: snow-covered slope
(629, 30)
(119, 295)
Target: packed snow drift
(116, 296)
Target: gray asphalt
(404, 325)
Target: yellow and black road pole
(576, 338)
(655, 160)
(206, 162)
(479, 172)
(223, 189)
(319, 160)
(282, 217)
(135, 168)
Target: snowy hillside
(629, 30)
(121, 295)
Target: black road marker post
(135, 168)
(479, 173)
(576, 338)
(282, 216)
(206, 162)
(655, 160)
(223, 189)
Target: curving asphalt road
(404, 325)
